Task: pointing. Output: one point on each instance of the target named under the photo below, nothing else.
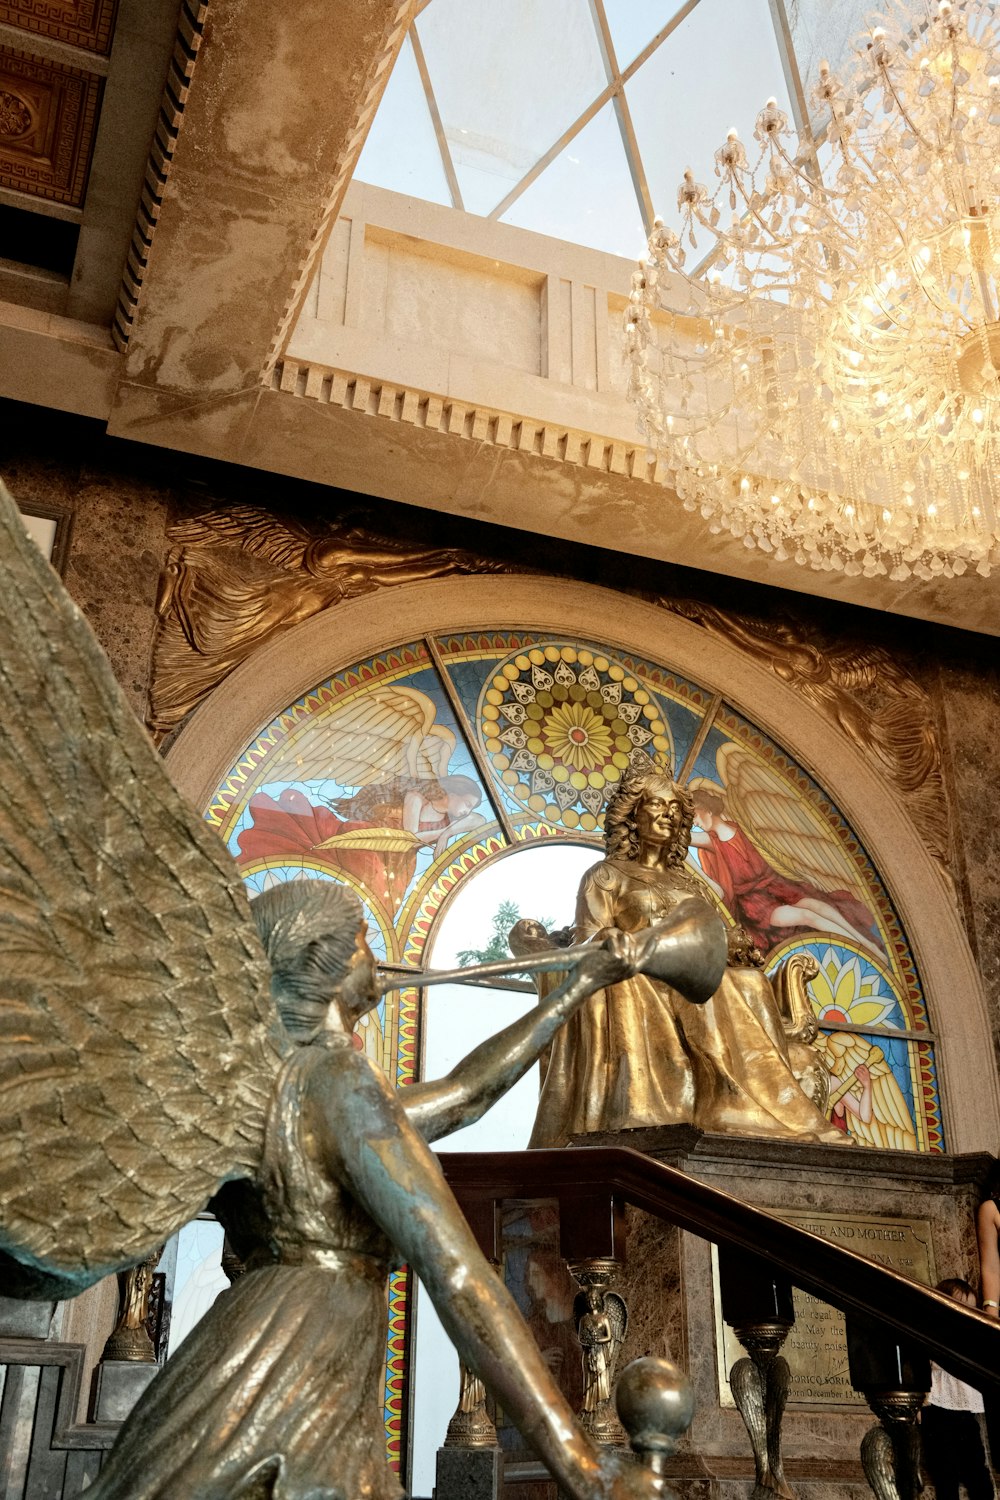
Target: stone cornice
(476, 423)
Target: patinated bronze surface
(636, 1055)
(236, 576)
(162, 1045)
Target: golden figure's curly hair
(308, 929)
(621, 835)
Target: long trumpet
(687, 950)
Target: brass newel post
(470, 1461)
(894, 1378)
(592, 1241)
(757, 1304)
(129, 1339)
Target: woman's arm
(413, 806)
(369, 1143)
(444, 836)
(484, 1076)
(987, 1230)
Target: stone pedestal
(469, 1474)
(25, 1320)
(118, 1386)
(881, 1203)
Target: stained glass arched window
(408, 771)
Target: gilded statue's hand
(614, 958)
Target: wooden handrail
(964, 1342)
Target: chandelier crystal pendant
(830, 389)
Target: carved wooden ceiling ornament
(78, 23)
(48, 120)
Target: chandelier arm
(904, 112)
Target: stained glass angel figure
(164, 1046)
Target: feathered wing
(783, 826)
(138, 1047)
(254, 531)
(891, 1125)
(388, 732)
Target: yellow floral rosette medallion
(560, 723)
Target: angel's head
(314, 935)
(708, 800)
(461, 795)
(648, 808)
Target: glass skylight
(577, 118)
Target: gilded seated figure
(637, 1054)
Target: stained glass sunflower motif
(850, 987)
(559, 724)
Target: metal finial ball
(655, 1403)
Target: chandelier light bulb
(827, 386)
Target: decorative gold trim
(864, 691)
(236, 576)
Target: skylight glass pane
(634, 23)
(825, 30)
(509, 79)
(715, 71)
(586, 195)
(401, 151)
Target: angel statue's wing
(388, 732)
(617, 1312)
(787, 831)
(138, 1047)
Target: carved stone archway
(291, 663)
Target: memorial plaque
(816, 1348)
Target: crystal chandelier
(830, 389)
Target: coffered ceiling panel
(48, 117)
(79, 23)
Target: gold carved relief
(868, 695)
(236, 577)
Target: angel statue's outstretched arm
(284, 1369)
(463, 1096)
(374, 1146)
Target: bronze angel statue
(166, 1045)
(601, 1325)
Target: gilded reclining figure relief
(166, 1045)
(636, 1054)
(864, 690)
(237, 576)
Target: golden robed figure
(637, 1053)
